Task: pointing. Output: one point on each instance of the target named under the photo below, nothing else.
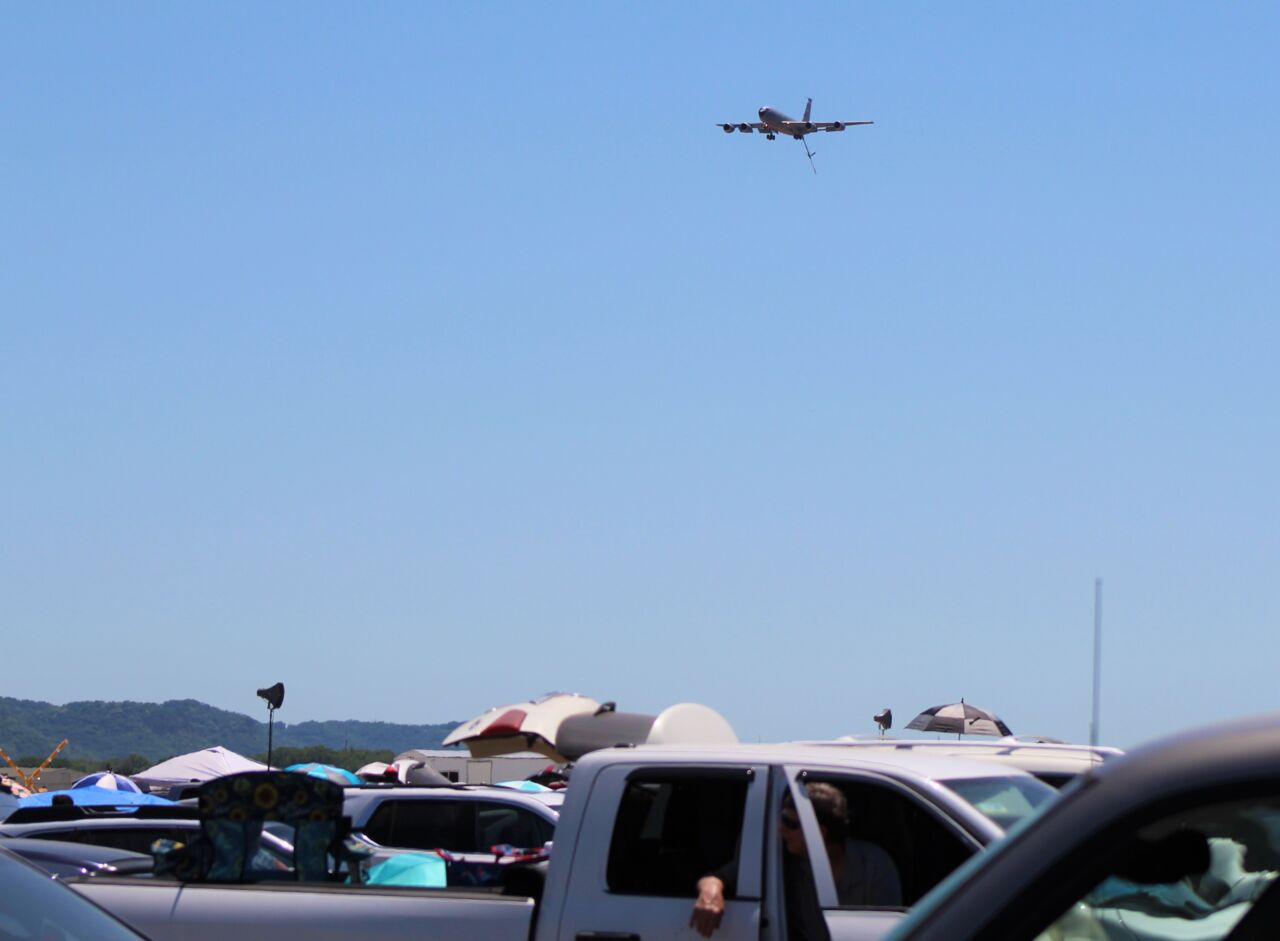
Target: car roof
(1201, 757)
(359, 797)
(917, 764)
(1033, 757)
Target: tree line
(120, 733)
(350, 758)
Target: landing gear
(771, 137)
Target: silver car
(461, 819)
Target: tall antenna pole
(1097, 659)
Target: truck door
(661, 831)
(892, 847)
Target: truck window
(670, 831)
(885, 821)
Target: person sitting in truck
(863, 872)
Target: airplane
(773, 122)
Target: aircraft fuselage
(775, 121)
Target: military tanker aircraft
(773, 122)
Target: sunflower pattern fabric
(232, 812)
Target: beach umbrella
(329, 772)
(92, 796)
(959, 717)
(108, 781)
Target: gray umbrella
(961, 718)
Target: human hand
(709, 907)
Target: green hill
(156, 731)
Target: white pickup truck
(639, 827)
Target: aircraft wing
(746, 127)
(824, 125)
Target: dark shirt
(870, 876)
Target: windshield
(1004, 800)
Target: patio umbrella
(526, 726)
(108, 781)
(97, 796)
(329, 772)
(961, 718)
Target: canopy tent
(195, 767)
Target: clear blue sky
(433, 356)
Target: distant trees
(129, 764)
(161, 730)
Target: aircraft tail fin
(807, 109)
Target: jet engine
(837, 126)
(728, 128)
(745, 128)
